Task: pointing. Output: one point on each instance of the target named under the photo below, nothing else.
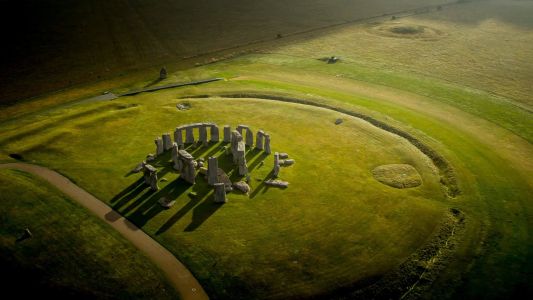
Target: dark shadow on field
(262, 187)
(155, 81)
(140, 204)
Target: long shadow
(128, 197)
(262, 187)
(138, 201)
(202, 212)
(257, 160)
(155, 81)
(150, 208)
(127, 190)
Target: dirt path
(177, 273)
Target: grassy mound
(71, 254)
(398, 175)
(406, 30)
(335, 225)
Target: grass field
(71, 253)
(84, 41)
(335, 228)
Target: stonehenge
(220, 193)
(150, 177)
(239, 141)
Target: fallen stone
(242, 186)
(166, 203)
(150, 157)
(283, 155)
(277, 183)
(286, 162)
(183, 106)
(138, 168)
(338, 121)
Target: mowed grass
(334, 226)
(72, 254)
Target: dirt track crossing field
(177, 273)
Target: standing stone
(241, 127)
(249, 138)
(241, 159)
(150, 177)
(215, 136)
(159, 146)
(189, 135)
(212, 169)
(178, 137)
(236, 138)
(276, 164)
(259, 140)
(167, 141)
(175, 156)
(203, 134)
(220, 193)
(227, 134)
(186, 166)
(267, 144)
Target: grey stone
(275, 172)
(277, 183)
(212, 169)
(183, 106)
(203, 134)
(167, 141)
(163, 73)
(159, 146)
(267, 144)
(199, 163)
(215, 136)
(259, 140)
(338, 121)
(286, 162)
(283, 155)
(220, 193)
(178, 137)
(150, 177)
(150, 157)
(227, 134)
(186, 166)
(189, 135)
(242, 186)
(249, 138)
(175, 156)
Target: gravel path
(178, 275)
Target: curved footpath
(178, 275)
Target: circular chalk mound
(404, 30)
(400, 176)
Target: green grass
(72, 253)
(334, 218)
